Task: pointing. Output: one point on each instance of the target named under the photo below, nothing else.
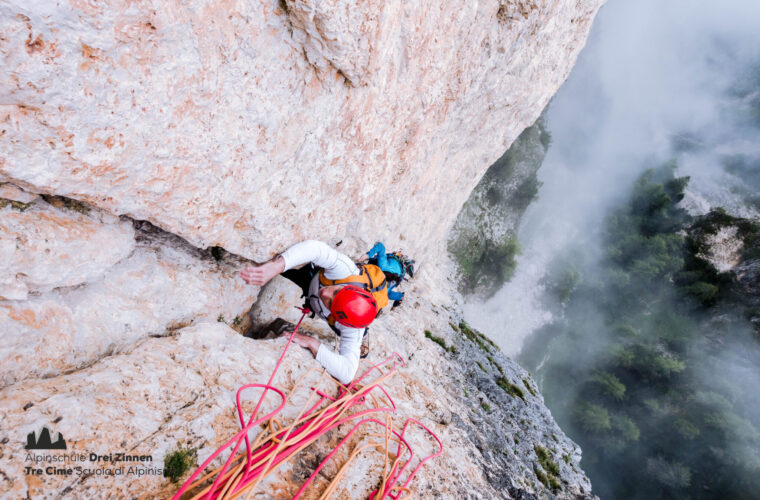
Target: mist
(660, 391)
(650, 85)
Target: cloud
(650, 85)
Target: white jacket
(343, 364)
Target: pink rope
(300, 436)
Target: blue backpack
(396, 268)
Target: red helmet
(353, 306)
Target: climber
(346, 296)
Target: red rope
(312, 425)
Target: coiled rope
(241, 473)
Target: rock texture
(240, 124)
(483, 240)
(43, 247)
(132, 285)
(729, 246)
(115, 365)
(180, 388)
(137, 136)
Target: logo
(44, 441)
(341, 314)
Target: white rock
(10, 192)
(182, 388)
(724, 248)
(155, 289)
(250, 127)
(44, 247)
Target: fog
(651, 84)
(670, 407)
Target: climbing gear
(354, 307)
(402, 265)
(240, 474)
(370, 279)
(364, 351)
(396, 266)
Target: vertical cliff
(217, 122)
(152, 148)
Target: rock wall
(137, 136)
(142, 359)
(483, 240)
(102, 286)
(250, 125)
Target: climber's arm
(335, 264)
(378, 252)
(343, 364)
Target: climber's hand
(307, 342)
(261, 274)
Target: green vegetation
(610, 385)
(486, 264)
(221, 319)
(486, 259)
(16, 205)
(546, 461)
(178, 462)
(485, 406)
(530, 390)
(478, 338)
(481, 366)
(525, 193)
(565, 283)
(494, 363)
(645, 332)
(541, 476)
(510, 388)
(67, 203)
(441, 342)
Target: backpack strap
(369, 281)
(364, 281)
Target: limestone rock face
(725, 249)
(250, 125)
(137, 135)
(141, 403)
(181, 389)
(483, 239)
(128, 289)
(43, 247)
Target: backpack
(371, 278)
(401, 266)
(396, 268)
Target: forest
(664, 358)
